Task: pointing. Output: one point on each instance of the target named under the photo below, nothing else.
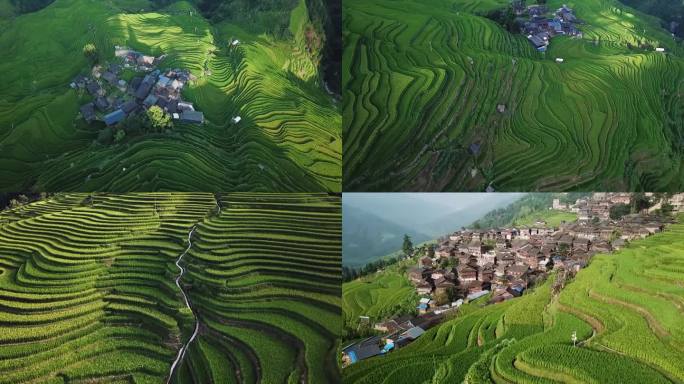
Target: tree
(158, 119)
(430, 251)
(120, 134)
(444, 263)
(595, 220)
(90, 51)
(666, 209)
(105, 136)
(407, 247)
(640, 202)
(441, 297)
(619, 210)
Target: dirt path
(184, 348)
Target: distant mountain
(449, 222)
(374, 223)
(367, 236)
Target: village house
(425, 262)
(488, 257)
(475, 248)
(467, 273)
(154, 89)
(423, 288)
(518, 271)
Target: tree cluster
(506, 18)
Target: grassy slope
(422, 81)
(290, 128)
(627, 307)
(553, 218)
(377, 296)
(87, 292)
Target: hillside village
(114, 98)
(540, 26)
(496, 265)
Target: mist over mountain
(367, 236)
(374, 223)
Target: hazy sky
(421, 208)
(454, 201)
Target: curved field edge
(626, 309)
(422, 82)
(87, 288)
(289, 138)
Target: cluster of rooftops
(504, 262)
(540, 28)
(117, 99)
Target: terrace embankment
(90, 286)
(624, 335)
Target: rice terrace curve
(171, 287)
(257, 114)
(619, 320)
(440, 96)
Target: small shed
(193, 117)
(185, 106)
(163, 81)
(414, 333)
(114, 117)
(88, 112)
(236, 119)
(101, 103)
(129, 106)
(660, 49)
(110, 77)
(94, 89)
(559, 60)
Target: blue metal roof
(114, 117)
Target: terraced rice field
(88, 293)
(626, 309)
(422, 81)
(289, 138)
(377, 296)
(553, 218)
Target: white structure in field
(236, 119)
(559, 60)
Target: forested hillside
(527, 207)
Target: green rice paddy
(377, 296)
(626, 309)
(553, 218)
(87, 289)
(422, 81)
(289, 138)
